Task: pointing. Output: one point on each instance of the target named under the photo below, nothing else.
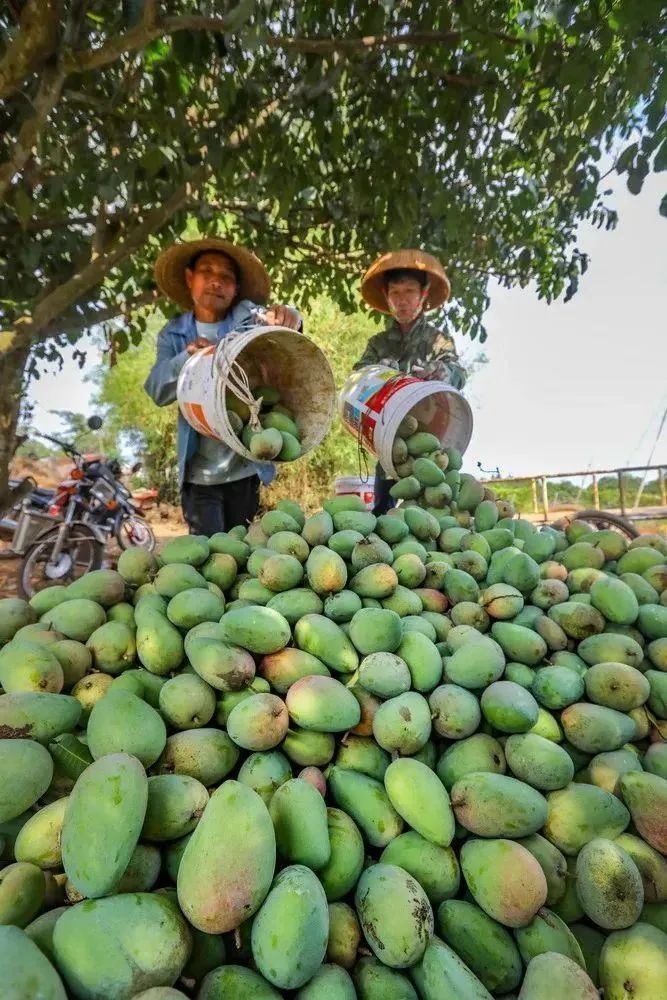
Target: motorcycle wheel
(81, 553)
(133, 532)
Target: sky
(569, 386)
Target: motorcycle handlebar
(67, 448)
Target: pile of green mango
(280, 434)
(413, 757)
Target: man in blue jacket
(222, 287)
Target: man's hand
(197, 345)
(281, 316)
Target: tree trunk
(12, 366)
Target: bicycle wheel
(602, 519)
(81, 553)
(135, 533)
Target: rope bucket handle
(232, 376)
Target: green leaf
(626, 158)
(635, 182)
(660, 161)
(71, 755)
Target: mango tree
(319, 133)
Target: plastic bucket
(353, 485)
(269, 355)
(375, 400)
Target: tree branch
(34, 42)
(48, 96)
(141, 35)
(86, 320)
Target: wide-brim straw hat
(373, 282)
(254, 282)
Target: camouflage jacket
(424, 351)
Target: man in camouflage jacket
(406, 284)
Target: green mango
(538, 762)
(508, 707)
(484, 945)
(122, 723)
(234, 982)
(403, 724)
(24, 970)
(229, 861)
(282, 669)
(159, 643)
(37, 716)
(418, 795)
(38, 841)
(557, 687)
(30, 666)
(118, 946)
(27, 770)
(553, 974)
(553, 864)
(103, 822)
(364, 799)
(434, 868)
(519, 643)
(375, 630)
(342, 606)
(475, 667)
(175, 804)
(299, 819)
(609, 885)
(360, 753)
(186, 702)
(290, 933)
(492, 869)
(395, 915)
(610, 648)
(102, 586)
(339, 874)
(319, 636)
(257, 629)
(596, 729)
(22, 889)
(637, 955)
(455, 712)
(15, 613)
(579, 813)
(322, 704)
(378, 581)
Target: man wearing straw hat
(406, 284)
(221, 287)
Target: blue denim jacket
(160, 385)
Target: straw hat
(254, 282)
(373, 287)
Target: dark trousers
(208, 509)
(383, 499)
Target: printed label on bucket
(373, 410)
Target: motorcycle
(62, 533)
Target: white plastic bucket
(375, 400)
(269, 355)
(353, 485)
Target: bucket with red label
(375, 400)
(355, 486)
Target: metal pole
(545, 498)
(621, 492)
(596, 493)
(661, 481)
(533, 485)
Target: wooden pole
(596, 493)
(661, 480)
(621, 492)
(533, 486)
(545, 498)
